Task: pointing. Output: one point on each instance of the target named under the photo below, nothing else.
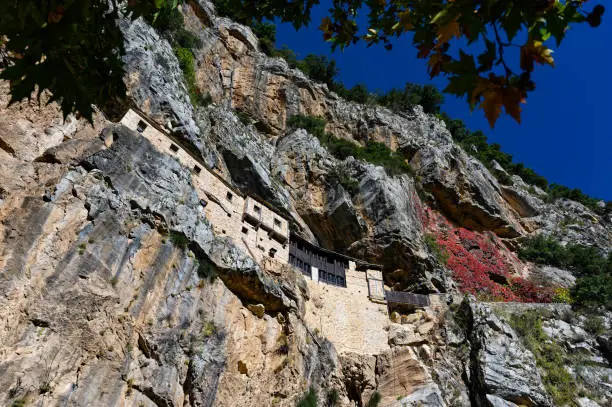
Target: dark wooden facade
(332, 266)
(402, 297)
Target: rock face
(236, 74)
(115, 291)
(502, 368)
(104, 304)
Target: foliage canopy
(440, 29)
(593, 286)
(72, 48)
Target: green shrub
(373, 152)
(179, 239)
(205, 269)
(432, 243)
(168, 19)
(374, 400)
(186, 39)
(309, 399)
(266, 33)
(562, 295)
(550, 357)
(244, 117)
(208, 329)
(593, 286)
(332, 397)
(594, 324)
(593, 291)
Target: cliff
(117, 290)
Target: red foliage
(482, 265)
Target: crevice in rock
(47, 158)
(39, 323)
(150, 394)
(7, 148)
(146, 349)
(475, 383)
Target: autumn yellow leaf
(404, 23)
(535, 51)
(435, 63)
(513, 98)
(448, 31)
(495, 92)
(492, 105)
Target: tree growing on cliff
(73, 48)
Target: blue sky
(566, 129)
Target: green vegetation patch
(170, 23)
(309, 399)
(550, 357)
(593, 286)
(432, 243)
(373, 152)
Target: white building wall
(347, 317)
(224, 206)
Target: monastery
(352, 290)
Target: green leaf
(442, 14)
(512, 22)
(544, 34)
(458, 85)
(556, 26)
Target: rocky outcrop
(155, 80)
(114, 291)
(236, 74)
(502, 369)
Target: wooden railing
(402, 297)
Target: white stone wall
(224, 206)
(376, 287)
(347, 317)
(267, 218)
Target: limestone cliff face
(115, 291)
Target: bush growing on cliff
(171, 24)
(550, 357)
(374, 400)
(593, 286)
(432, 243)
(373, 152)
(266, 33)
(309, 399)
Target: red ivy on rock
(482, 265)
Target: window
(277, 223)
(229, 196)
(245, 230)
(257, 209)
(141, 126)
(197, 169)
(174, 148)
(272, 252)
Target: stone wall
(229, 211)
(347, 317)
